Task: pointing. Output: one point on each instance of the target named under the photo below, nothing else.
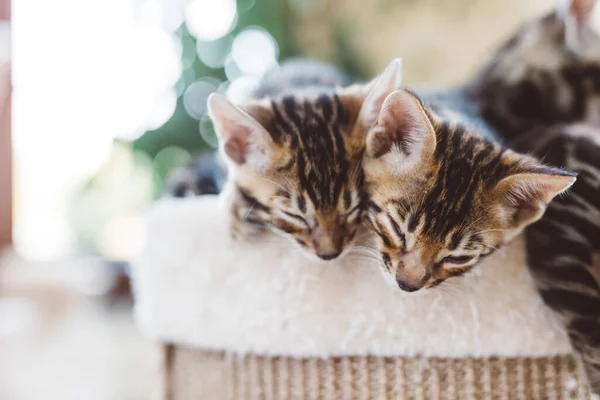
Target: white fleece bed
(195, 286)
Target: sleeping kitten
(547, 73)
(442, 197)
(294, 161)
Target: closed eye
(353, 212)
(297, 217)
(458, 259)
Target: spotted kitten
(294, 161)
(442, 197)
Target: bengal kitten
(294, 161)
(543, 79)
(547, 73)
(565, 244)
(443, 197)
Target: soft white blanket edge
(196, 286)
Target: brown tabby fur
(313, 189)
(536, 90)
(564, 246)
(452, 206)
(536, 79)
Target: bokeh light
(188, 52)
(254, 51)
(210, 19)
(168, 158)
(187, 76)
(240, 88)
(214, 53)
(232, 71)
(195, 96)
(168, 14)
(165, 107)
(207, 131)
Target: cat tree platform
(256, 320)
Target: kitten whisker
(250, 210)
(277, 184)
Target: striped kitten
(547, 73)
(564, 246)
(294, 161)
(534, 90)
(442, 197)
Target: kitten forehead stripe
(320, 152)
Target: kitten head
(442, 197)
(296, 161)
(570, 34)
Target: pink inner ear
(581, 9)
(526, 208)
(382, 140)
(530, 193)
(402, 121)
(236, 148)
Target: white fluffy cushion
(196, 286)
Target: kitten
(547, 73)
(442, 197)
(534, 90)
(294, 161)
(564, 246)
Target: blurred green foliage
(182, 130)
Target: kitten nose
(406, 287)
(327, 242)
(329, 256)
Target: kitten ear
(403, 133)
(242, 138)
(582, 22)
(525, 196)
(581, 10)
(378, 90)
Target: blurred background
(108, 96)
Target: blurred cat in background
(541, 91)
